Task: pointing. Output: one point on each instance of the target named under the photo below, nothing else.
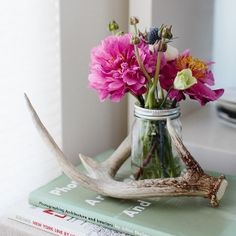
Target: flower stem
(162, 92)
(151, 97)
(138, 58)
(139, 98)
(173, 105)
(140, 63)
(135, 29)
(145, 162)
(164, 100)
(156, 76)
(161, 130)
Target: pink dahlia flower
(200, 91)
(114, 70)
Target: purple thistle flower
(153, 35)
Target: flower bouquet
(145, 65)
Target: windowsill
(211, 142)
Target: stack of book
(62, 207)
(53, 214)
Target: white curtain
(29, 62)
(224, 47)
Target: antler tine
(90, 165)
(187, 158)
(119, 156)
(66, 166)
(111, 165)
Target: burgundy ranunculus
(200, 91)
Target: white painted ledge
(211, 142)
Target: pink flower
(200, 70)
(114, 70)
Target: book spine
(90, 216)
(39, 223)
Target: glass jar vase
(153, 155)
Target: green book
(182, 216)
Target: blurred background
(45, 51)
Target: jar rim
(156, 114)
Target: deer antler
(100, 178)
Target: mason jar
(153, 154)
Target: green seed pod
(133, 20)
(135, 40)
(143, 35)
(113, 26)
(165, 32)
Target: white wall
(192, 23)
(224, 47)
(30, 62)
(89, 126)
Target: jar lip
(156, 114)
